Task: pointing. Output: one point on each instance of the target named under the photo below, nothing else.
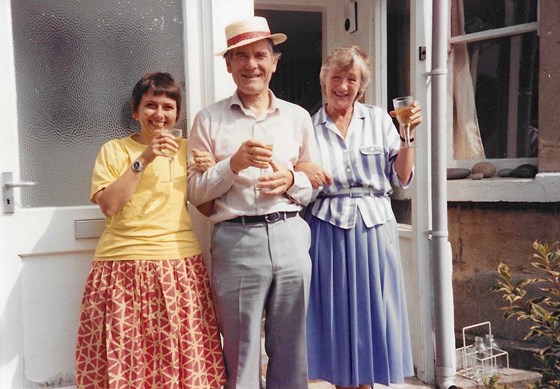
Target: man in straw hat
(260, 245)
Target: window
(76, 65)
(494, 75)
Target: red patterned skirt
(148, 324)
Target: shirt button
(348, 170)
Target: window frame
(503, 32)
(496, 188)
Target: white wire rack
(474, 366)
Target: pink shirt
(221, 128)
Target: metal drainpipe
(444, 327)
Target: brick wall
(482, 235)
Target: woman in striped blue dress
(357, 325)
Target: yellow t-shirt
(155, 223)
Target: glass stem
(171, 170)
(407, 135)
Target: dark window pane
(506, 75)
(297, 75)
(483, 15)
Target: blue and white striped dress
(357, 325)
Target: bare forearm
(113, 198)
(404, 163)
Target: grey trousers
(261, 269)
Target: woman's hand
(405, 158)
(203, 160)
(416, 115)
(162, 145)
(317, 175)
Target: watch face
(137, 166)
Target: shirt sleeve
(109, 165)
(214, 182)
(302, 191)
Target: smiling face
(342, 87)
(251, 67)
(347, 71)
(154, 113)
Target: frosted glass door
(76, 64)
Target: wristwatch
(137, 166)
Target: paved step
(411, 383)
(515, 379)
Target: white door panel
(40, 231)
(51, 305)
(44, 267)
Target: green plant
(494, 382)
(543, 310)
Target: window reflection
(496, 116)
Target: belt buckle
(356, 192)
(272, 217)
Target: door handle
(8, 191)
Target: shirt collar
(236, 101)
(360, 112)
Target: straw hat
(249, 30)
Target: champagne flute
(403, 107)
(177, 133)
(264, 171)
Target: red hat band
(246, 35)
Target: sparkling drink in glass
(264, 171)
(402, 106)
(177, 133)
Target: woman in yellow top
(147, 320)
